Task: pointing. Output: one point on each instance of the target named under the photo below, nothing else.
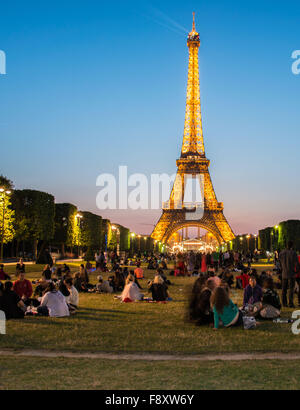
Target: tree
(106, 234)
(34, 216)
(6, 183)
(289, 231)
(6, 213)
(66, 227)
(90, 233)
(124, 239)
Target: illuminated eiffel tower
(193, 166)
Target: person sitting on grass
(103, 286)
(160, 273)
(3, 275)
(200, 311)
(111, 281)
(80, 283)
(58, 274)
(252, 296)
(131, 292)
(86, 286)
(227, 277)
(119, 280)
(224, 309)
(159, 289)
(23, 288)
(73, 298)
(270, 302)
(242, 281)
(11, 304)
(62, 286)
(47, 273)
(53, 303)
(43, 282)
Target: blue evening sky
(92, 85)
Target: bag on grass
(269, 312)
(249, 322)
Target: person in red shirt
(139, 273)
(244, 277)
(23, 287)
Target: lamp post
(4, 193)
(78, 219)
(276, 234)
(132, 235)
(272, 234)
(248, 237)
(117, 230)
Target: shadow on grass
(107, 311)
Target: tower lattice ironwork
(193, 164)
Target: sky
(92, 85)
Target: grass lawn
(104, 324)
(60, 373)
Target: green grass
(60, 373)
(104, 324)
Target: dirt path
(150, 356)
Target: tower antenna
(194, 26)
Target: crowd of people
(210, 301)
(57, 292)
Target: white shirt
(132, 292)
(73, 298)
(56, 304)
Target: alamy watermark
(2, 62)
(296, 63)
(137, 191)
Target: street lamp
(4, 193)
(248, 237)
(78, 218)
(272, 233)
(132, 235)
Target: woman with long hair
(131, 292)
(199, 309)
(159, 289)
(224, 309)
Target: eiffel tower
(193, 166)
